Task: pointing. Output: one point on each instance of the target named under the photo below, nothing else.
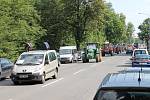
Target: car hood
(66, 56)
(25, 68)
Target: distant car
(141, 60)
(68, 54)
(125, 86)
(139, 51)
(6, 67)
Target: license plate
(23, 76)
(143, 63)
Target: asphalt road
(77, 81)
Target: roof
(140, 49)
(68, 47)
(126, 80)
(38, 52)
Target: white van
(68, 54)
(35, 66)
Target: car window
(52, 56)
(139, 52)
(122, 95)
(30, 59)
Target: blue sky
(131, 9)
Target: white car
(68, 54)
(35, 66)
(139, 51)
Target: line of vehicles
(130, 84)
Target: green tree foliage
(19, 24)
(129, 32)
(52, 19)
(115, 25)
(145, 31)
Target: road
(77, 81)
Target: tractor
(91, 51)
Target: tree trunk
(147, 43)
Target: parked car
(125, 86)
(68, 54)
(5, 68)
(141, 60)
(37, 65)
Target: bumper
(26, 77)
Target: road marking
(52, 82)
(10, 99)
(81, 70)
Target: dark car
(125, 85)
(5, 68)
(141, 60)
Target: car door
(6, 67)
(46, 65)
(53, 61)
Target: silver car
(5, 68)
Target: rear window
(122, 95)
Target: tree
(19, 24)
(129, 32)
(145, 31)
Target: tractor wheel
(84, 61)
(103, 53)
(87, 60)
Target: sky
(134, 10)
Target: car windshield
(30, 59)
(139, 52)
(91, 46)
(122, 95)
(65, 51)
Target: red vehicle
(107, 49)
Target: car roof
(140, 49)
(68, 47)
(126, 80)
(38, 52)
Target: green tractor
(91, 51)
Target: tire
(84, 61)
(97, 60)
(103, 54)
(42, 79)
(87, 60)
(15, 82)
(55, 74)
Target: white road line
(52, 82)
(10, 99)
(81, 70)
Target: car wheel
(16, 82)
(42, 79)
(55, 74)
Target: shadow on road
(124, 66)
(8, 82)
